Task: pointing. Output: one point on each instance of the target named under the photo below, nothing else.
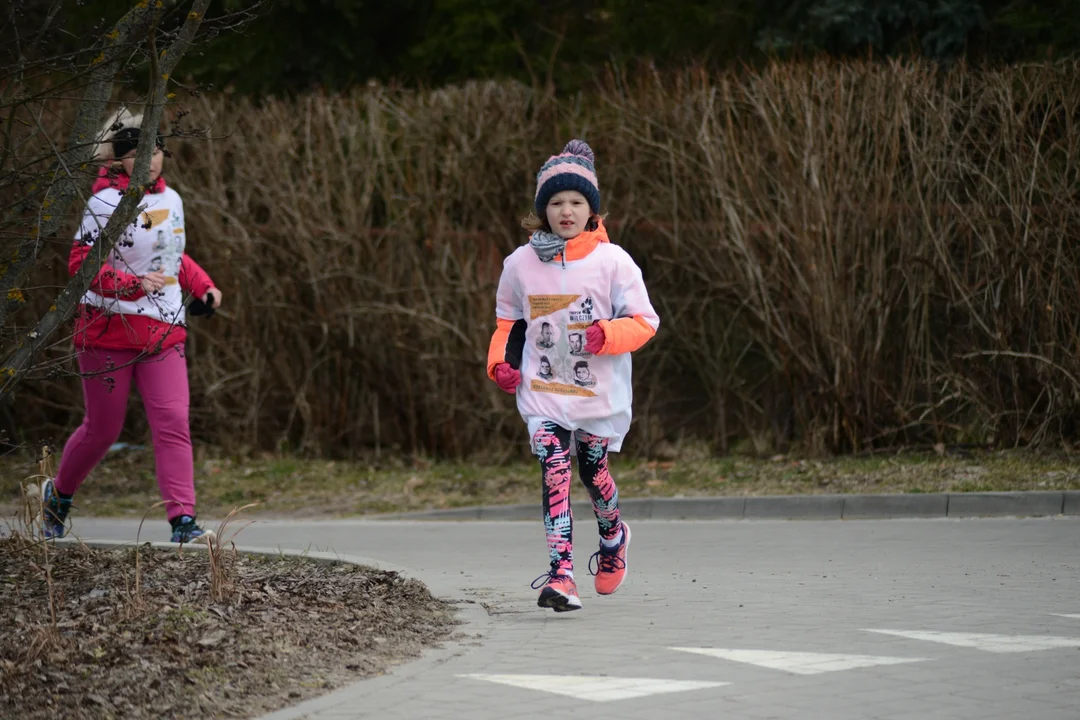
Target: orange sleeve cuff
(497, 348)
(625, 335)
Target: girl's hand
(213, 298)
(507, 377)
(594, 338)
(152, 281)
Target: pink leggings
(162, 382)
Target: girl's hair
(121, 120)
(532, 223)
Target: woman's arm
(193, 279)
(109, 281)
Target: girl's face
(567, 213)
(156, 161)
(545, 367)
(582, 373)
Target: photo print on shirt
(583, 376)
(577, 344)
(546, 339)
(545, 372)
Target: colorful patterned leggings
(552, 445)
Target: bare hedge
(843, 256)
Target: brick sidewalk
(766, 619)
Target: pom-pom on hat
(572, 169)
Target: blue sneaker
(185, 530)
(54, 511)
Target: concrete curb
(317, 556)
(801, 507)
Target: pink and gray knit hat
(572, 169)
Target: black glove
(202, 308)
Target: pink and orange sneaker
(610, 564)
(559, 591)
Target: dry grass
(124, 484)
(292, 629)
(844, 256)
(210, 632)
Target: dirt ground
(162, 639)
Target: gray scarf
(547, 245)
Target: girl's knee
(102, 430)
(170, 420)
(592, 454)
(595, 474)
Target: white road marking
(596, 689)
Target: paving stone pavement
(879, 619)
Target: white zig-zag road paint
(986, 641)
(596, 689)
(800, 663)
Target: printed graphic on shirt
(171, 247)
(546, 339)
(541, 305)
(577, 343)
(580, 320)
(583, 376)
(168, 265)
(561, 368)
(153, 218)
(561, 389)
(545, 372)
(583, 315)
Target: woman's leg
(106, 384)
(162, 381)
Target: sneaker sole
(557, 601)
(626, 531)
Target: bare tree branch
(62, 187)
(22, 359)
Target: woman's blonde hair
(114, 124)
